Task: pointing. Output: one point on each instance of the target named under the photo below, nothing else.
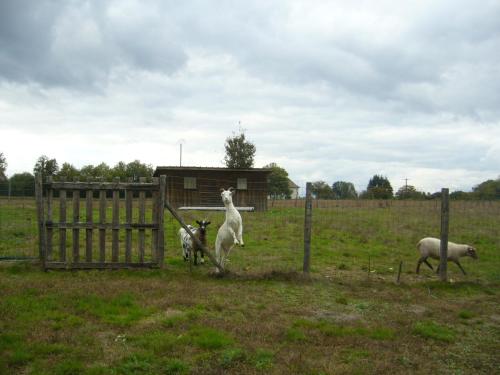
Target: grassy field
(348, 317)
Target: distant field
(264, 317)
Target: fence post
(443, 251)
(41, 218)
(307, 228)
(161, 226)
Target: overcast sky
(338, 90)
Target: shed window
(242, 184)
(190, 183)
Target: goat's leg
(235, 239)
(240, 235)
(218, 256)
(460, 266)
(195, 257)
(226, 254)
(202, 256)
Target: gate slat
(161, 229)
(50, 232)
(115, 247)
(62, 231)
(128, 220)
(102, 220)
(154, 220)
(88, 232)
(76, 231)
(142, 220)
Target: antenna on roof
(180, 142)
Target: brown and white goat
(189, 246)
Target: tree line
(379, 187)
(22, 184)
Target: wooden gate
(90, 199)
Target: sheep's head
(227, 195)
(203, 225)
(471, 252)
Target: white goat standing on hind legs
(231, 232)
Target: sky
(328, 90)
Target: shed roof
(214, 169)
(292, 184)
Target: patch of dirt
(338, 317)
(155, 318)
(416, 309)
(495, 318)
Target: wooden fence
(87, 256)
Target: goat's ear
(208, 222)
(231, 189)
(198, 222)
(221, 190)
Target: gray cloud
(328, 90)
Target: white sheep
(231, 232)
(430, 247)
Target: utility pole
(406, 187)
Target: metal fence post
(307, 228)
(443, 251)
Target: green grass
(264, 316)
(122, 310)
(435, 331)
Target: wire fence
(358, 235)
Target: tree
(3, 167)
(379, 187)
(45, 166)
(136, 169)
(87, 172)
(321, 190)
(239, 152)
(119, 170)
(461, 195)
(277, 182)
(22, 184)
(489, 189)
(344, 190)
(68, 172)
(409, 192)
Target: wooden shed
(200, 186)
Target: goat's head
(471, 252)
(203, 225)
(227, 195)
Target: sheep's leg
(422, 259)
(428, 264)
(460, 266)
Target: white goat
(231, 232)
(430, 247)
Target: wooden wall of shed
(208, 185)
